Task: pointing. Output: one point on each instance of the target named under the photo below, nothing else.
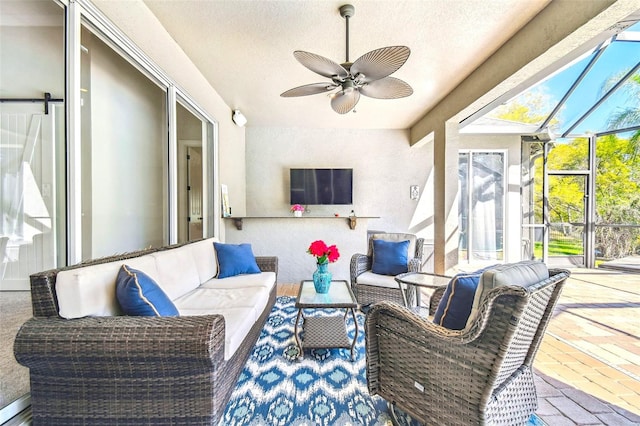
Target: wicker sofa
(100, 367)
(480, 375)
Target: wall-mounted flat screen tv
(321, 186)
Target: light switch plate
(414, 192)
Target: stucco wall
(384, 167)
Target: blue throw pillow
(455, 306)
(235, 259)
(138, 294)
(390, 257)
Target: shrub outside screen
(321, 186)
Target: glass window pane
(605, 67)
(31, 143)
(124, 152)
(532, 175)
(617, 59)
(487, 205)
(190, 175)
(619, 111)
(481, 207)
(32, 179)
(535, 104)
(463, 205)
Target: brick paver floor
(588, 365)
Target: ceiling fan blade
(308, 89)
(319, 64)
(386, 88)
(345, 101)
(380, 63)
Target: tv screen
(321, 186)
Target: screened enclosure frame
(591, 220)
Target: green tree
(617, 174)
(566, 202)
(531, 107)
(617, 196)
(627, 116)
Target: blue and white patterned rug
(324, 388)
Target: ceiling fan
(368, 75)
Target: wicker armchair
(371, 288)
(479, 375)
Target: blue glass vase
(322, 278)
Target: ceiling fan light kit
(368, 75)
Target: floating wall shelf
(352, 221)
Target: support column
(445, 183)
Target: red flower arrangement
(323, 253)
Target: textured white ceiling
(245, 50)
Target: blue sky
(617, 59)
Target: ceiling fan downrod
(347, 11)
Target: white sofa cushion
(238, 323)
(91, 290)
(241, 308)
(369, 278)
(209, 300)
(205, 257)
(178, 273)
(263, 279)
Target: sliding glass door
(32, 171)
(30, 229)
(31, 143)
(192, 168)
(481, 207)
(124, 154)
(89, 168)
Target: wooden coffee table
(326, 331)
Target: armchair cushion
(369, 278)
(139, 295)
(235, 259)
(455, 306)
(390, 257)
(395, 237)
(521, 274)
